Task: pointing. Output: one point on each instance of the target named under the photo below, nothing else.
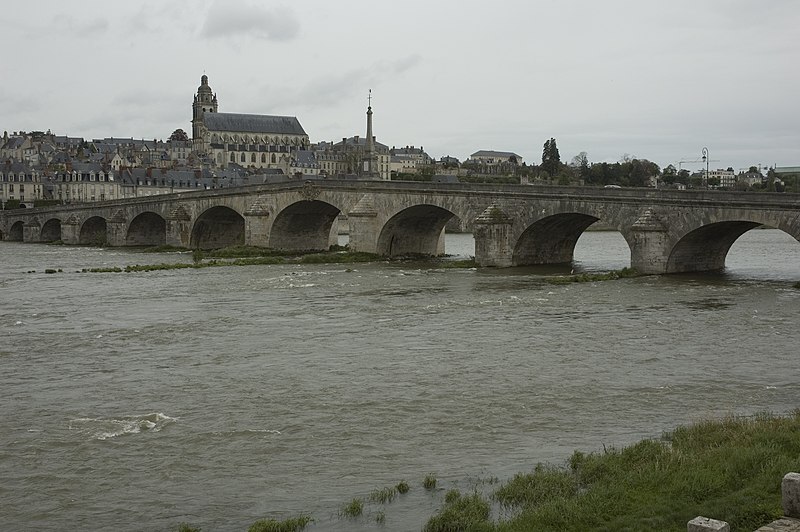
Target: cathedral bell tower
(205, 101)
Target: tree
(581, 163)
(551, 160)
(179, 134)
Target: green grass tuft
(289, 525)
(383, 495)
(624, 273)
(353, 508)
(461, 513)
(429, 482)
(186, 527)
(402, 487)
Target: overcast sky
(654, 79)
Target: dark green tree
(551, 160)
(179, 134)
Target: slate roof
(245, 123)
(496, 154)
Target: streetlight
(706, 159)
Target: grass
(186, 527)
(352, 509)
(402, 487)
(592, 277)
(729, 470)
(289, 525)
(383, 495)
(160, 249)
(461, 263)
(461, 513)
(429, 482)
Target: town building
(250, 140)
(726, 178)
(408, 160)
(20, 183)
(494, 162)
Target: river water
(224, 395)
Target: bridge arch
(15, 232)
(51, 230)
(147, 229)
(416, 230)
(551, 240)
(303, 226)
(705, 248)
(94, 232)
(218, 227)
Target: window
(243, 158)
(273, 158)
(233, 157)
(263, 157)
(252, 157)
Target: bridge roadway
(667, 231)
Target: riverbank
(729, 468)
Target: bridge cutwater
(515, 225)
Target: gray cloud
(326, 90)
(85, 29)
(240, 18)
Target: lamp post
(706, 159)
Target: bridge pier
(32, 231)
(256, 229)
(649, 243)
(116, 232)
(494, 246)
(363, 221)
(71, 231)
(178, 228)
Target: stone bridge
(667, 231)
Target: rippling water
(221, 396)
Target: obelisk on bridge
(370, 166)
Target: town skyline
(652, 81)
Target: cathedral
(260, 141)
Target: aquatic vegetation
(380, 517)
(624, 273)
(289, 525)
(353, 508)
(383, 495)
(160, 249)
(429, 482)
(454, 264)
(402, 487)
(186, 527)
(461, 513)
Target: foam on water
(105, 428)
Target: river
(136, 401)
